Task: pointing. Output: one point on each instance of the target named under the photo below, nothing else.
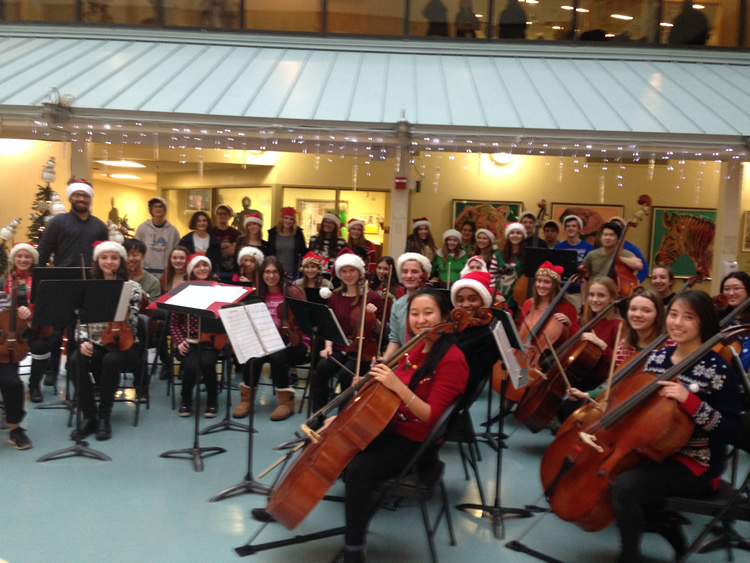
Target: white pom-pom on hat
(325, 293)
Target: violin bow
(385, 309)
(611, 372)
(362, 316)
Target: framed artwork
(492, 215)
(683, 238)
(593, 216)
(746, 231)
(198, 200)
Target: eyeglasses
(733, 288)
(271, 272)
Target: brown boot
(286, 404)
(247, 395)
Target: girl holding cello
(427, 380)
(104, 361)
(351, 270)
(274, 292)
(182, 328)
(23, 259)
(708, 393)
(546, 288)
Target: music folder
(507, 338)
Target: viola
(369, 344)
(637, 426)
(13, 347)
(545, 394)
(316, 468)
(624, 277)
(118, 335)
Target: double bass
(623, 276)
(317, 467)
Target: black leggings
(43, 353)
(385, 457)
(207, 369)
(279, 361)
(103, 367)
(11, 388)
(635, 494)
(327, 369)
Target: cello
(316, 468)
(522, 289)
(623, 276)
(637, 425)
(545, 394)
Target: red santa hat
(492, 236)
(193, 260)
(250, 251)
(28, 248)
(348, 258)
(465, 270)
(420, 222)
(332, 217)
(510, 227)
(353, 222)
(79, 185)
(253, 218)
(109, 245)
(312, 258)
(289, 212)
(550, 270)
(407, 256)
(479, 282)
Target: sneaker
(186, 409)
(19, 439)
(211, 410)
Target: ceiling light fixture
(123, 176)
(122, 163)
(621, 17)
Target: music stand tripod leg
(196, 453)
(248, 485)
(227, 423)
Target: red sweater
(342, 306)
(606, 329)
(563, 307)
(447, 382)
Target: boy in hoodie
(158, 234)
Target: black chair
(422, 478)
(729, 504)
(140, 373)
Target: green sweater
(440, 267)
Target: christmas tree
(44, 205)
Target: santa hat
(289, 212)
(571, 217)
(28, 248)
(250, 251)
(106, 245)
(420, 222)
(225, 206)
(452, 233)
(354, 222)
(488, 233)
(193, 260)
(527, 214)
(550, 270)
(479, 282)
(253, 218)
(407, 256)
(510, 227)
(312, 258)
(465, 270)
(349, 259)
(76, 185)
(332, 217)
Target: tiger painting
(687, 234)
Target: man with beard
(72, 234)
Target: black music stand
(497, 512)
(316, 321)
(72, 302)
(535, 257)
(38, 275)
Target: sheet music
(203, 296)
(519, 377)
(251, 331)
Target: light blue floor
(140, 507)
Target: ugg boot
(286, 404)
(247, 395)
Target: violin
(545, 394)
(635, 426)
(624, 277)
(316, 468)
(13, 347)
(522, 289)
(363, 323)
(290, 330)
(118, 335)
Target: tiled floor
(141, 507)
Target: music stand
(535, 257)
(316, 320)
(69, 302)
(38, 275)
(507, 337)
(207, 320)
